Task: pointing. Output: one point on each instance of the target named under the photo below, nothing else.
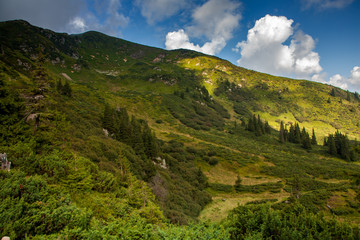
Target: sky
(316, 40)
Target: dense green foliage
(290, 221)
(294, 135)
(111, 139)
(338, 144)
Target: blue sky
(307, 39)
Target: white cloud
(326, 4)
(265, 49)
(319, 77)
(179, 39)
(338, 81)
(111, 22)
(215, 20)
(158, 10)
(78, 24)
(351, 83)
(355, 77)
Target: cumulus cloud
(265, 49)
(352, 82)
(110, 23)
(338, 81)
(325, 4)
(157, 10)
(215, 20)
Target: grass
(223, 203)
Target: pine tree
(313, 138)
(297, 134)
(331, 145)
(260, 125)
(281, 133)
(59, 86)
(333, 93)
(348, 98)
(108, 121)
(357, 96)
(66, 90)
(251, 126)
(267, 128)
(306, 142)
(237, 185)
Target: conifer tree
(281, 133)
(357, 96)
(297, 133)
(313, 138)
(66, 90)
(331, 145)
(267, 128)
(286, 135)
(333, 92)
(108, 121)
(237, 185)
(59, 86)
(348, 98)
(251, 125)
(260, 125)
(306, 142)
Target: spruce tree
(313, 138)
(333, 92)
(281, 133)
(297, 134)
(357, 96)
(331, 145)
(306, 142)
(66, 90)
(267, 127)
(260, 125)
(59, 86)
(237, 185)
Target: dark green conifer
(66, 90)
(267, 127)
(306, 142)
(331, 145)
(281, 133)
(313, 138)
(333, 93)
(237, 185)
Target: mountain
(112, 138)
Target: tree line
(338, 144)
(295, 135)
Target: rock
(106, 132)
(66, 76)
(32, 117)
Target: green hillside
(112, 139)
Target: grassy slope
(141, 78)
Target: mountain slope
(96, 117)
